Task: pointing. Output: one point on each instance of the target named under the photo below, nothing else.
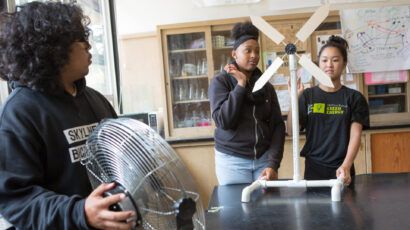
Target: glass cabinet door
(188, 74)
(387, 98)
(222, 46)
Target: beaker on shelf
(203, 95)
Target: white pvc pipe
(337, 191)
(321, 183)
(335, 184)
(247, 191)
(286, 183)
(295, 115)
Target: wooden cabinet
(389, 103)
(187, 71)
(222, 46)
(390, 152)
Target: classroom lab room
(205, 114)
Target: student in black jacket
(44, 55)
(250, 131)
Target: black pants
(315, 171)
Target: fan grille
(132, 154)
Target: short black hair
(35, 42)
(339, 43)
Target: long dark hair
(339, 43)
(35, 42)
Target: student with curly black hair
(333, 119)
(44, 56)
(250, 131)
(2, 5)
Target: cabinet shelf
(190, 77)
(186, 50)
(190, 101)
(386, 95)
(223, 48)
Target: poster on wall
(379, 38)
(284, 100)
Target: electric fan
(290, 49)
(144, 167)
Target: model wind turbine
(290, 49)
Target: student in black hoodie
(250, 131)
(44, 56)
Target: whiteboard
(379, 38)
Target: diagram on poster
(379, 38)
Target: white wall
(141, 78)
(139, 16)
(136, 16)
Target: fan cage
(132, 154)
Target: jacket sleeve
(225, 103)
(278, 138)
(23, 200)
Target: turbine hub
(290, 48)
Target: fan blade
(313, 22)
(267, 29)
(315, 71)
(267, 74)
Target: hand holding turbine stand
(290, 49)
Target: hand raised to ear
(238, 75)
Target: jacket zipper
(256, 131)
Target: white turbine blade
(267, 74)
(313, 22)
(315, 71)
(267, 29)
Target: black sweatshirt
(42, 137)
(327, 117)
(247, 124)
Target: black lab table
(378, 201)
